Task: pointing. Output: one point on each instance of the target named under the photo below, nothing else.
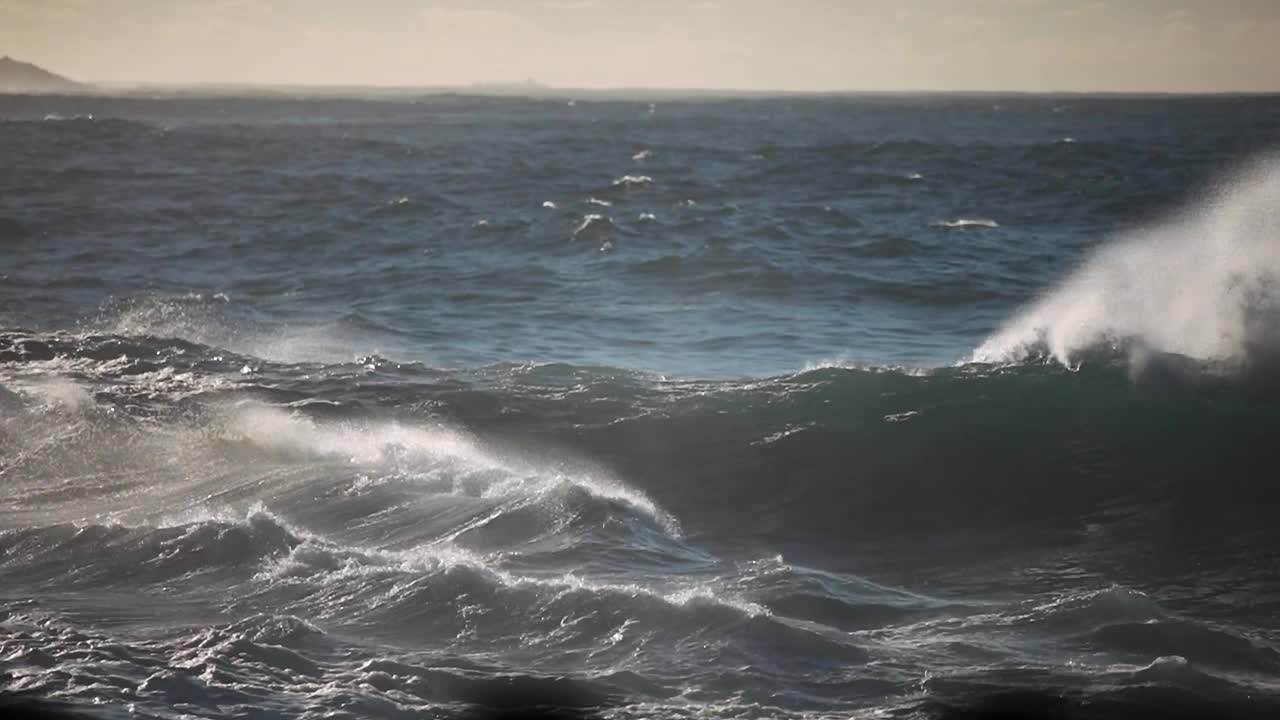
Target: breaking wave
(1201, 287)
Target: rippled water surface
(736, 408)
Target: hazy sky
(1174, 45)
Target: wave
(593, 226)
(88, 126)
(619, 189)
(236, 329)
(963, 223)
(233, 441)
(272, 663)
(979, 701)
(632, 181)
(55, 117)
(471, 509)
(275, 660)
(895, 453)
(97, 555)
(1201, 287)
(894, 450)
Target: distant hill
(21, 77)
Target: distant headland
(21, 77)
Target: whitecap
(966, 223)
(56, 117)
(1200, 286)
(633, 181)
(591, 222)
(786, 432)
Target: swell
(867, 454)
(603, 521)
(887, 450)
(277, 660)
(272, 663)
(98, 556)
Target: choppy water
(767, 408)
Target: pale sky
(1038, 45)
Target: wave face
(774, 408)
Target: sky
(819, 45)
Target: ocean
(900, 406)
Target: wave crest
(1202, 286)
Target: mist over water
(807, 407)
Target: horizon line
(535, 90)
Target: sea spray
(1202, 285)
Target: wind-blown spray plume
(1202, 285)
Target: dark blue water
(736, 408)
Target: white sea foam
(61, 392)
(632, 181)
(592, 222)
(959, 223)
